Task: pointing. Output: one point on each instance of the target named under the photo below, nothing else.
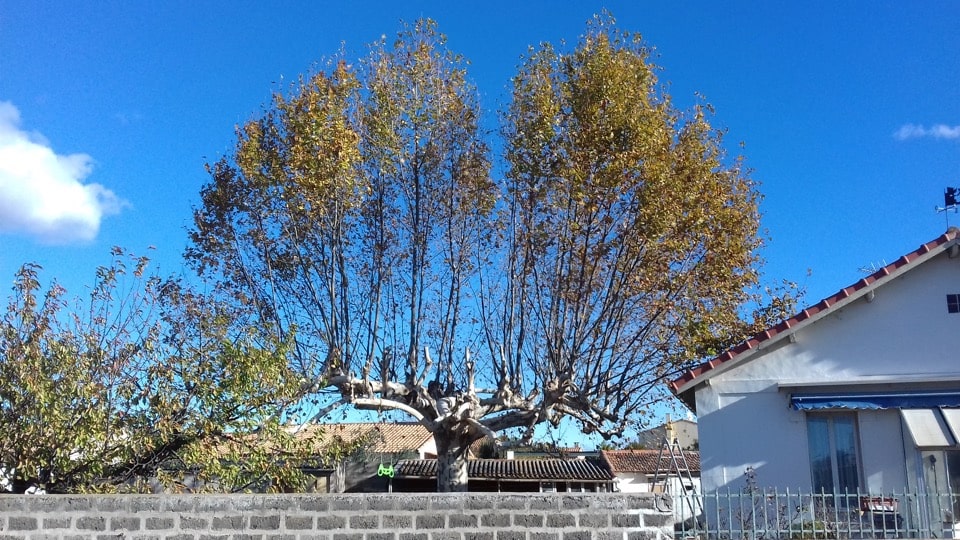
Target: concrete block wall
(387, 516)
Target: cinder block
(381, 502)
(557, 521)
(315, 504)
(47, 504)
(145, 504)
(265, 522)
(478, 535)
(179, 504)
(626, 521)
(158, 523)
(657, 519)
(446, 535)
(528, 520)
(593, 520)
(461, 521)
(543, 502)
(508, 534)
(642, 535)
(365, 521)
(274, 502)
(213, 504)
(91, 523)
(643, 501)
(110, 503)
(512, 502)
(413, 503)
(298, 522)
(446, 501)
(431, 521)
(609, 501)
(22, 523)
(397, 521)
(50, 523)
(576, 535)
(124, 523)
(11, 503)
(328, 522)
(574, 502)
(495, 520)
(193, 523)
(609, 534)
(413, 536)
(382, 536)
(316, 537)
(230, 522)
(478, 502)
(544, 536)
(343, 503)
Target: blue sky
(849, 111)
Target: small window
(953, 303)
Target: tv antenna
(950, 196)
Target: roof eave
(684, 385)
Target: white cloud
(938, 131)
(42, 193)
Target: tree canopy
(360, 217)
(146, 385)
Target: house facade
(859, 393)
(646, 471)
(684, 432)
(380, 447)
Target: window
(834, 455)
(953, 303)
(941, 472)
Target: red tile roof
(840, 298)
(514, 469)
(378, 437)
(647, 461)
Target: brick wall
(408, 516)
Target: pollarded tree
(359, 216)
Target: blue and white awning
(932, 417)
(814, 401)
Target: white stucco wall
(641, 483)
(904, 334)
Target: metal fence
(767, 514)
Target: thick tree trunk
(452, 450)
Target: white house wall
(904, 333)
(632, 482)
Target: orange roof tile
(378, 437)
(647, 461)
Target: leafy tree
(146, 385)
(359, 217)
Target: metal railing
(768, 513)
